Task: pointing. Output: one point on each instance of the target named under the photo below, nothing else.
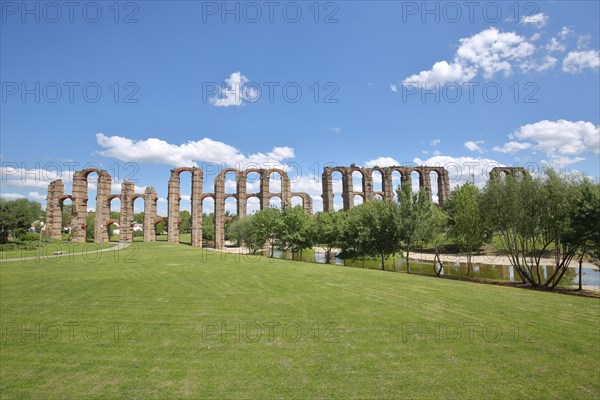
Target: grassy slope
(169, 300)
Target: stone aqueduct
(79, 198)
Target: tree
(372, 228)
(139, 217)
(328, 231)
(297, 233)
(438, 223)
(16, 217)
(67, 214)
(584, 230)
(468, 228)
(533, 216)
(415, 218)
(90, 221)
(244, 231)
(185, 218)
(208, 226)
(160, 228)
(269, 226)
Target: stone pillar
(307, 204)
(196, 213)
(286, 195)
(126, 214)
(219, 217)
(56, 190)
(406, 177)
(264, 190)
(443, 186)
(387, 184)
(242, 201)
(368, 184)
(347, 189)
(173, 199)
(79, 207)
(102, 207)
(425, 180)
(327, 194)
(150, 199)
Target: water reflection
(590, 277)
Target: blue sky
(386, 82)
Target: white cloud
(337, 129)
(155, 150)
(11, 196)
(555, 45)
(235, 92)
(578, 61)
(488, 53)
(563, 141)
(462, 169)
(512, 147)
(381, 162)
(474, 146)
(441, 73)
(539, 20)
(393, 88)
(36, 196)
(435, 142)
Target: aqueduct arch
(387, 192)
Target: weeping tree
(415, 213)
(467, 225)
(534, 217)
(328, 231)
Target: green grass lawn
(48, 249)
(170, 321)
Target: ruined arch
(174, 198)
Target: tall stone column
(219, 213)
(406, 177)
(387, 184)
(196, 207)
(286, 196)
(307, 204)
(264, 189)
(425, 180)
(126, 214)
(150, 199)
(443, 186)
(368, 184)
(102, 207)
(79, 207)
(56, 190)
(242, 201)
(347, 189)
(173, 199)
(327, 194)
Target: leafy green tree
(328, 231)
(468, 228)
(438, 235)
(160, 228)
(415, 219)
(245, 232)
(585, 223)
(372, 228)
(185, 218)
(16, 217)
(269, 226)
(298, 229)
(533, 216)
(90, 221)
(67, 214)
(139, 217)
(208, 226)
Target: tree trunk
(580, 268)
(382, 262)
(407, 262)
